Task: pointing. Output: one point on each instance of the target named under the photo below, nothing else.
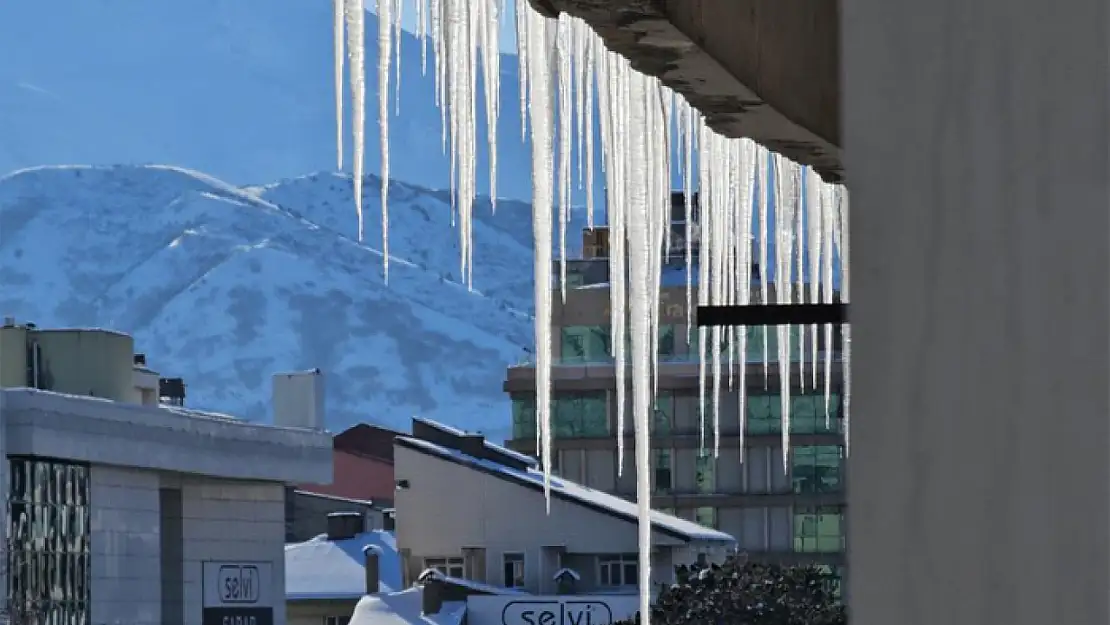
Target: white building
(474, 510)
(123, 509)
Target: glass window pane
(661, 470)
(573, 345)
(663, 416)
(524, 415)
(581, 414)
(706, 516)
(705, 473)
(666, 342)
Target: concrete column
(977, 139)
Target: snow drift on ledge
(224, 286)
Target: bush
(742, 593)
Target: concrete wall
(220, 520)
(979, 159)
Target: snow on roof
(309, 493)
(326, 569)
(516, 455)
(434, 574)
(578, 493)
(404, 608)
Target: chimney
(9, 322)
(431, 594)
(298, 399)
(344, 525)
(389, 520)
(373, 575)
(139, 359)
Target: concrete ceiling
(764, 69)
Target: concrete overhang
(762, 69)
(160, 438)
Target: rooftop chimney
(344, 525)
(9, 322)
(389, 520)
(298, 399)
(373, 575)
(139, 359)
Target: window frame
(518, 558)
(817, 541)
(621, 563)
(656, 468)
(337, 620)
(447, 565)
(705, 463)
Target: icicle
(540, 101)
(588, 85)
(639, 254)
(705, 221)
(563, 53)
(356, 50)
(522, 39)
(422, 34)
(613, 126)
(491, 80)
(398, 13)
(688, 191)
(783, 252)
(798, 242)
(827, 287)
(385, 17)
(814, 209)
(337, 6)
(763, 171)
(847, 327)
(747, 165)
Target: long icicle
(385, 50)
(356, 51)
(338, 8)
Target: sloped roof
(336, 569)
(404, 608)
(572, 492)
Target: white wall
(221, 520)
(232, 521)
(124, 523)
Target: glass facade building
(48, 546)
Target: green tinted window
(663, 415)
(807, 414)
(817, 469)
(582, 414)
(705, 473)
(581, 344)
(706, 516)
(818, 529)
(524, 415)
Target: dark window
(513, 569)
(662, 469)
(48, 541)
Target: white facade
(167, 491)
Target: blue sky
(508, 21)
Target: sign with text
(238, 585)
(551, 610)
(237, 616)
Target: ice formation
(754, 208)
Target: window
(818, 529)
(451, 567)
(663, 414)
(807, 413)
(706, 516)
(582, 344)
(816, 469)
(666, 342)
(48, 541)
(513, 566)
(705, 473)
(833, 576)
(619, 570)
(754, 345)
(337, 620)
(662, 467)
(579, 415)
(524, 415)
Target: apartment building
(474, 510)
(122, 506)
(783, 512)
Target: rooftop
(404, 608)
(532, 477)
(327, 569)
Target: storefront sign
(554, 610)
(238, 593)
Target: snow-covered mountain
(239, 89)
(224, 286)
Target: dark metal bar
(771, 314)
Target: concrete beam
(977, 140)
(764, 70)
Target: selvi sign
(550, 610)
